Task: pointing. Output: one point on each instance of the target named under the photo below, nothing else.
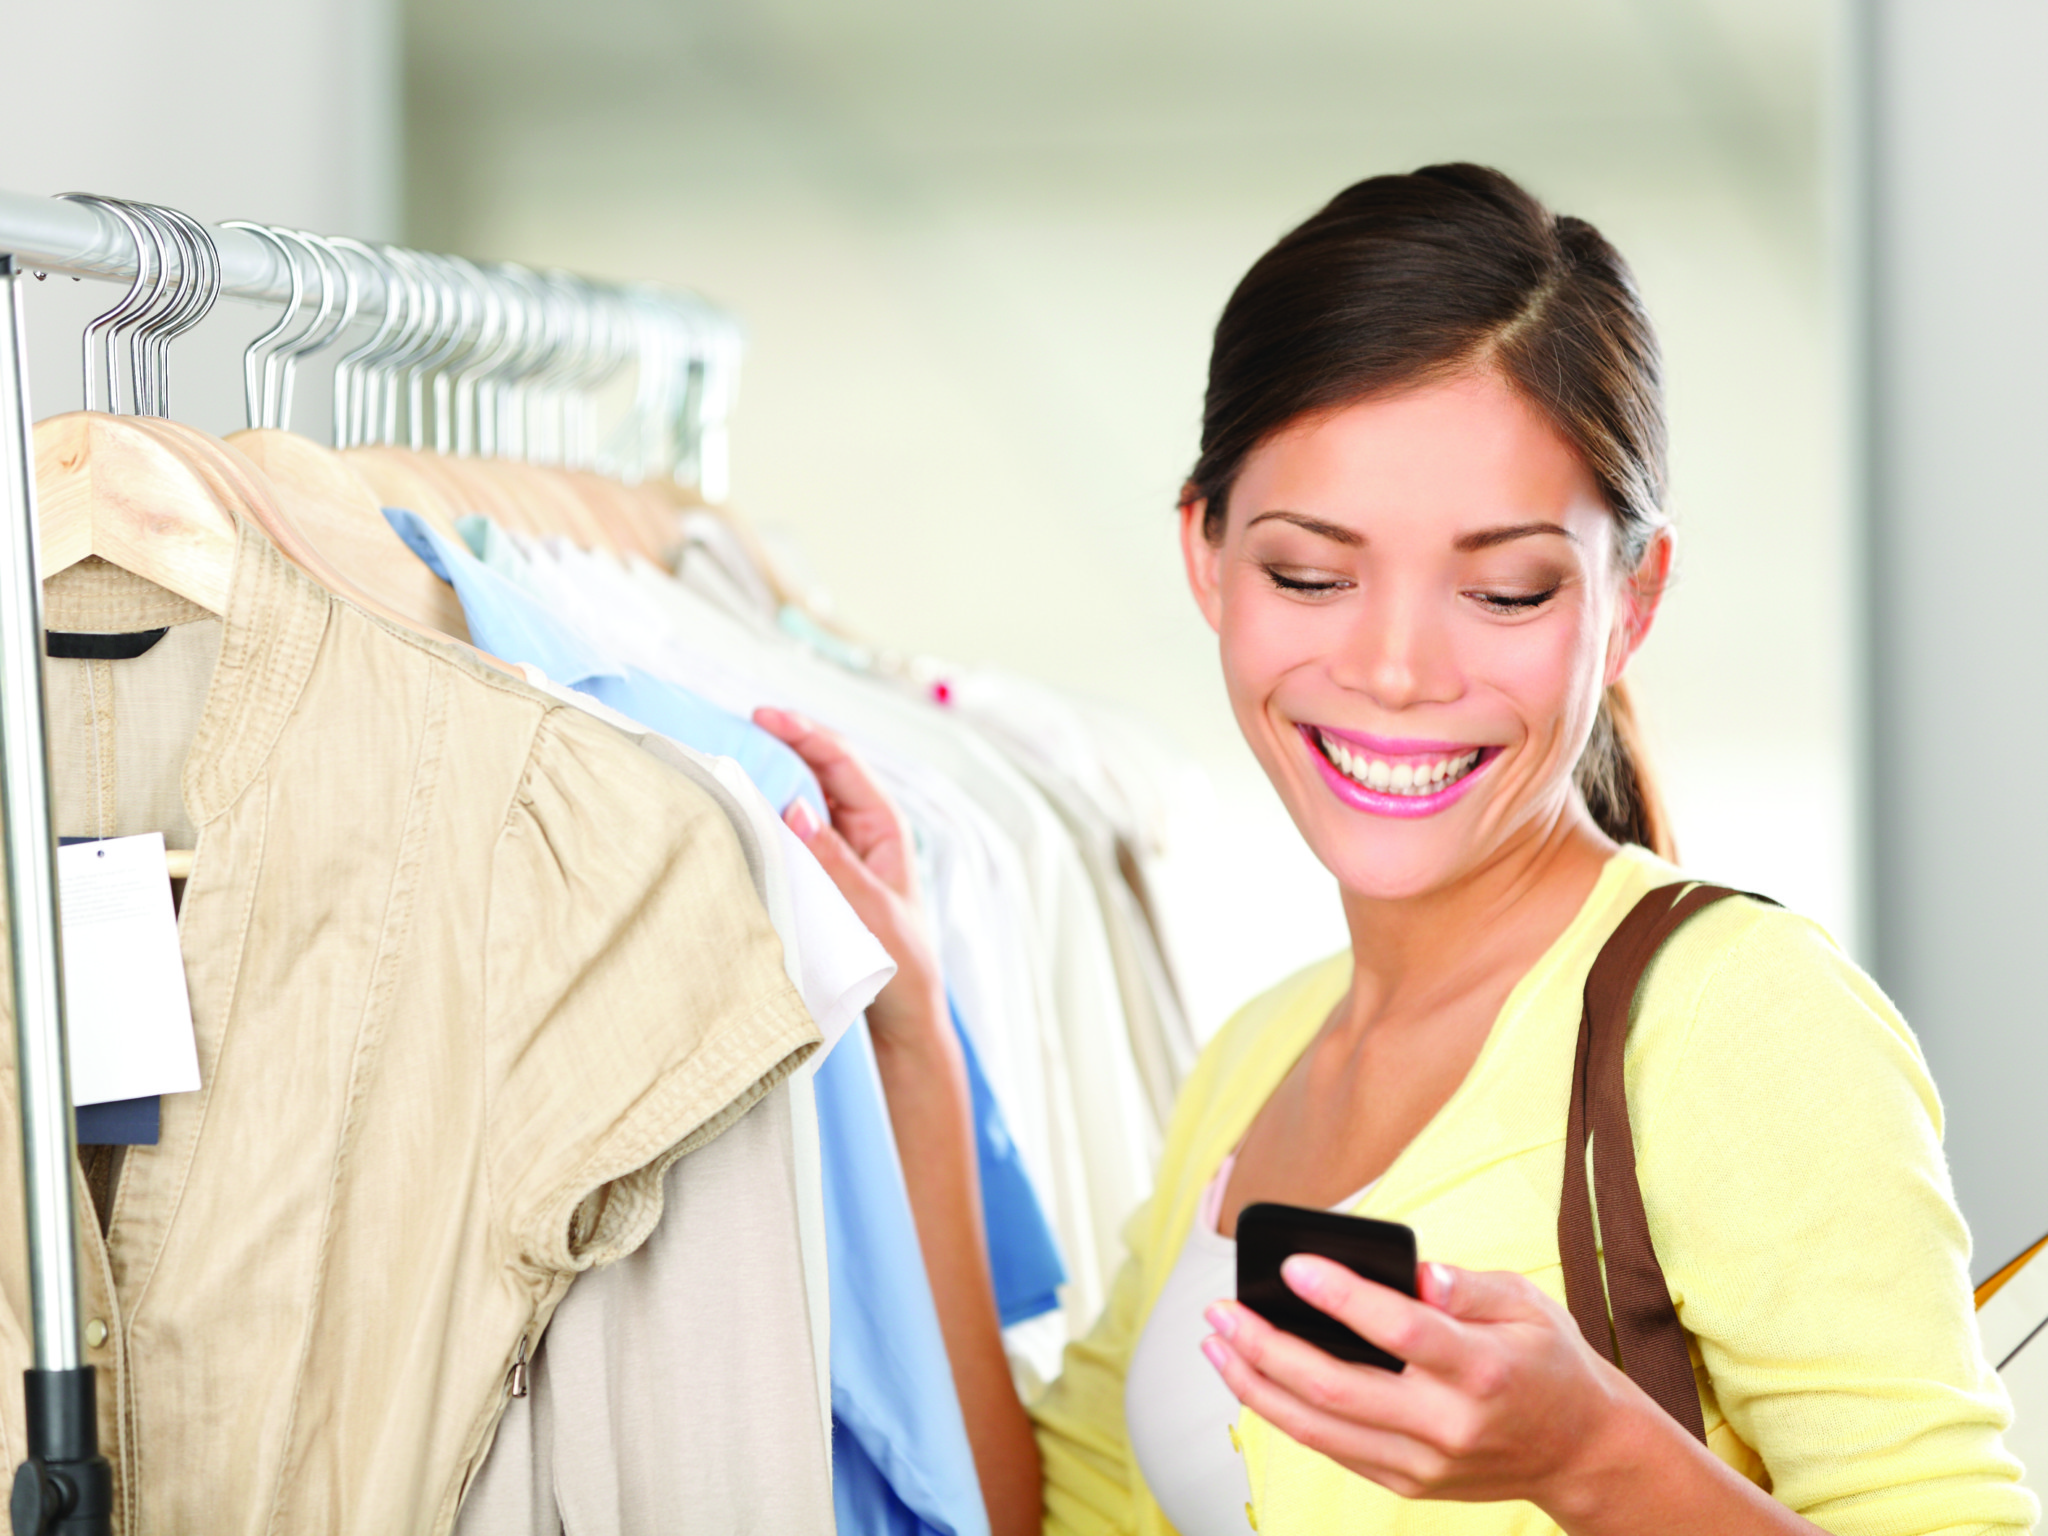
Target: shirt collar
(277, 616)
(502, 618)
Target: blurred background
(979, 249)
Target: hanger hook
(536, 349)
(351, 302)
(189, 295)
(488, 345)
(317, 332)
(451, 272)
(568, 329)
(514, 342)
(420, 321)
(380, 368)
(349, 386)
(139, 329)
(426, 346)
(203, 291)
(461, 302)
(167, 304)
(255, 375)
(133, 299)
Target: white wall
(228, 109)
(1958, 432)
(980, 251)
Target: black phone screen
(1383, 1251)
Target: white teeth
(1398, 778)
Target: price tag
(129, 1014)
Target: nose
(1397, 651)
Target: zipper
(518, 1378)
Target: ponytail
(1614, 777)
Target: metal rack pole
(48, 234)
(65, 1485)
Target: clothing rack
(65, 1485)
(48, 234)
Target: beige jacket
(468, 971)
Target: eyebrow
(1487, 538)
(1467, 543)
(1335, 533)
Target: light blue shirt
(901, 1463)
(1023, 1255)
(509, 622)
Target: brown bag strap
(1629, 1320)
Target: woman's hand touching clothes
(868, 852)
(1502, 1399)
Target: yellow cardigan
(1788, 1142)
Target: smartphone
(1383, 1251)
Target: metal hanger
(195, 286)
(351, 403)
(100, 328)
(256, 370)
(153, 512)
(332, 316)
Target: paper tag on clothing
(129, 1015)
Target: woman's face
(1418, 606)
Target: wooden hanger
(108, 486)
(334, 510)
(635, 522)
(541, 501)
(398, 479)
(243, 488)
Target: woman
(1426, 527)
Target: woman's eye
(1302, 583)
(1513, 602)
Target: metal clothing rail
(686, 353)
(469, 337)
(48, 234)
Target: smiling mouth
(1414, 777)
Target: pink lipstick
(1388, 777)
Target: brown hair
(1402, 279)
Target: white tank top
(1178, 1411)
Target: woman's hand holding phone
(1501, 1398)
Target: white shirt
(1034, 976)
(1177, 1408)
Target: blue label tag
(123, 1122)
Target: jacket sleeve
(1080, 1419)
(1791, 1164)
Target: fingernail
(802, 820)
(1440, 1279)
(1222, 1319)
(1214, 1352)
(1302, 1275)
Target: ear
(1642, 591)
(1204, 560)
